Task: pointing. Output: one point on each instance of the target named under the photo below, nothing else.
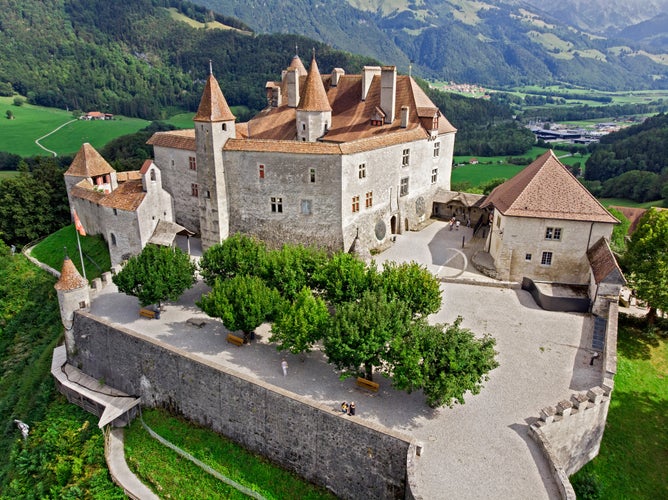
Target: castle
(331, 158)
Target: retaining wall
(350, 457)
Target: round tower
(73, 295)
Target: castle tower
(314, 114)
(89, 165)
(73, 295)
(214, 125)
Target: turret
(73, 295)
(314, 114)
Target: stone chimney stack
(293, 87)
(404, 116)
(368, 72)
(388, 92)
(336, 74)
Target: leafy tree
(242, 302)
(413, 285)
(157, 274)
(344, 278)
(18, 101)
(237, 255)
(646, 261)
(489, 186)
(9, 114)
(359, 333)
(445, 361)
(291, 268)
(300, 324)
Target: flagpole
(78, 228)
(83, 268)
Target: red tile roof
(70, 279)
(88, 163)
(297, 64)
(546, 189)
(127, 196)
(86, 191)
(145, 166)
(314, 97)
(603, 263)
(213, 106)
(177, 139)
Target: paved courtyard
(477, 450)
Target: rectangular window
(312, 174)
(356, 204)
(553, 233)
(437, 149)
(527, 257)
(306, 207)
(361, 171)
(276, 205)
(405, 157)
(403, 189)
(434, 175)
(369, 199)
(192, 163)
(261, 169)
(194, 190)
(546, 259)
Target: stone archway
(393, 224)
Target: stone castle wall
(350, 457)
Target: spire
(213, 106)
(315, 96)
(88, 163)
(297, 64)
(70, 279)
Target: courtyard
(477, 450)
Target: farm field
(32, 122)
(623, 202)
(6, 174)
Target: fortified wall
(350, 457)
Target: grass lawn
(6, 174)
(623, 202)
(633, 459)
(175, 477)
(51, 251)
(32, 122)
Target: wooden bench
(147, 313)
(367, 384)
(233, 339)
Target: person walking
(284, 367)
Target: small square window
(434, 175)
(546, 259)
(261, 169)
(276, 205)
(356, 204)
(306, 206)
(437, 149)
(405, 157)
(369, 199)
(553, 233)
(194, 190)
(403, 188)
(527, 257)
(312, 174)
(361, 171)
(192, 163)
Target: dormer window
(378, 117)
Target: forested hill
(139, 57)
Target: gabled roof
(314, 97)
(213, 106)
(466, 199)
(127, 196)
(88, 163)
(177, 139)
(145, 166)
(603, 264)
(546, 189)
(70, 279)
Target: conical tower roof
(213, 106)
(70, 279)
(88, 163)
(314, 97)
(297, 64)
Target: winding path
(52, 132)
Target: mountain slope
(494, 43)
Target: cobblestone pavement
(472, 451)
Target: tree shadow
(635, 338)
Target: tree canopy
(157, 274)
(646, 260)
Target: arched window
(113, 239)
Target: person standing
(351, 409)
(284, 367)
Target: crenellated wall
(302, 436)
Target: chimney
(388, 92)
(336, 74)
(404, 116)
(293, 87)
(368, 72)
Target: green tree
(300, 324)
(646, 261)
(237, 255)
(157, 274)
(360, 332)
(291, 268)
(412, 284)
(242, 302)
(445, 361)
(18, 101)
(344, 278)
(9, 114)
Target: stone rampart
(350, 457)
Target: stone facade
(249, 412)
